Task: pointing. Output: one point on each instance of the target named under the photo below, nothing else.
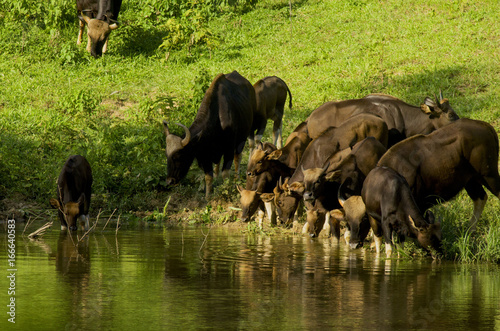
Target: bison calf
(391, 208)
(74, 188)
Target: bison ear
(425, 109)
(333, 175)
(239, 188)
(429, 217)
(267, 197)
(81, 199)
(338, 214)
(55, 204)
(297, 187)
(275, 155)
(412, 224)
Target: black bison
(220, 129)
(74, 187)
(100, 17)
(437, 166)
(391, 208)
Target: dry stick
(117, 225)
(27, 223)
(109, 219)
(206, 236)
(92, 227)
(40, 231)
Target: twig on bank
(40, 231)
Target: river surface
(197, 278)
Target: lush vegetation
(56, 100)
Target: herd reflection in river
(199, 278)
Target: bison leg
(277, 134)
(305, 228)
(271, 212)
(85, 220)
(478, 210)
(209, 180)
(377, 233)
(334, 227)
(237, 162)
(251, 146)
(80, 32)
(105, 47)
(478, 195)
(89, 42)
(260, 218)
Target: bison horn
(165, 128)
(187, 138)
(86, 18)
(441, 96)
(113, 26)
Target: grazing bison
(391, 208)
(74, 187)
(100, 17)
(463, 154)
(332, 141)
(270, 94)
(220, 128)
(402, 119)
(348, 167)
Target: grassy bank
(56, 100)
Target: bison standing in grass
(220, 129)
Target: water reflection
(196, 278)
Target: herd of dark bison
(375, 163)
(372, 163)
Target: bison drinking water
(74, 188)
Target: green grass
(56, 100)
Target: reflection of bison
(74, 188)
(100, 17)
(220, 128)
(73, 257)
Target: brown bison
(100, 17)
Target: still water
(196, 278)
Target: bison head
(314, 180)
(250, 201)
(439, 110)
(179, 155)
(98, 32)
(69, 212)
(356, 220)
(259, 161)
(286, 204)
(428, 236)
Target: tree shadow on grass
(454, 82)
(132, 40)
